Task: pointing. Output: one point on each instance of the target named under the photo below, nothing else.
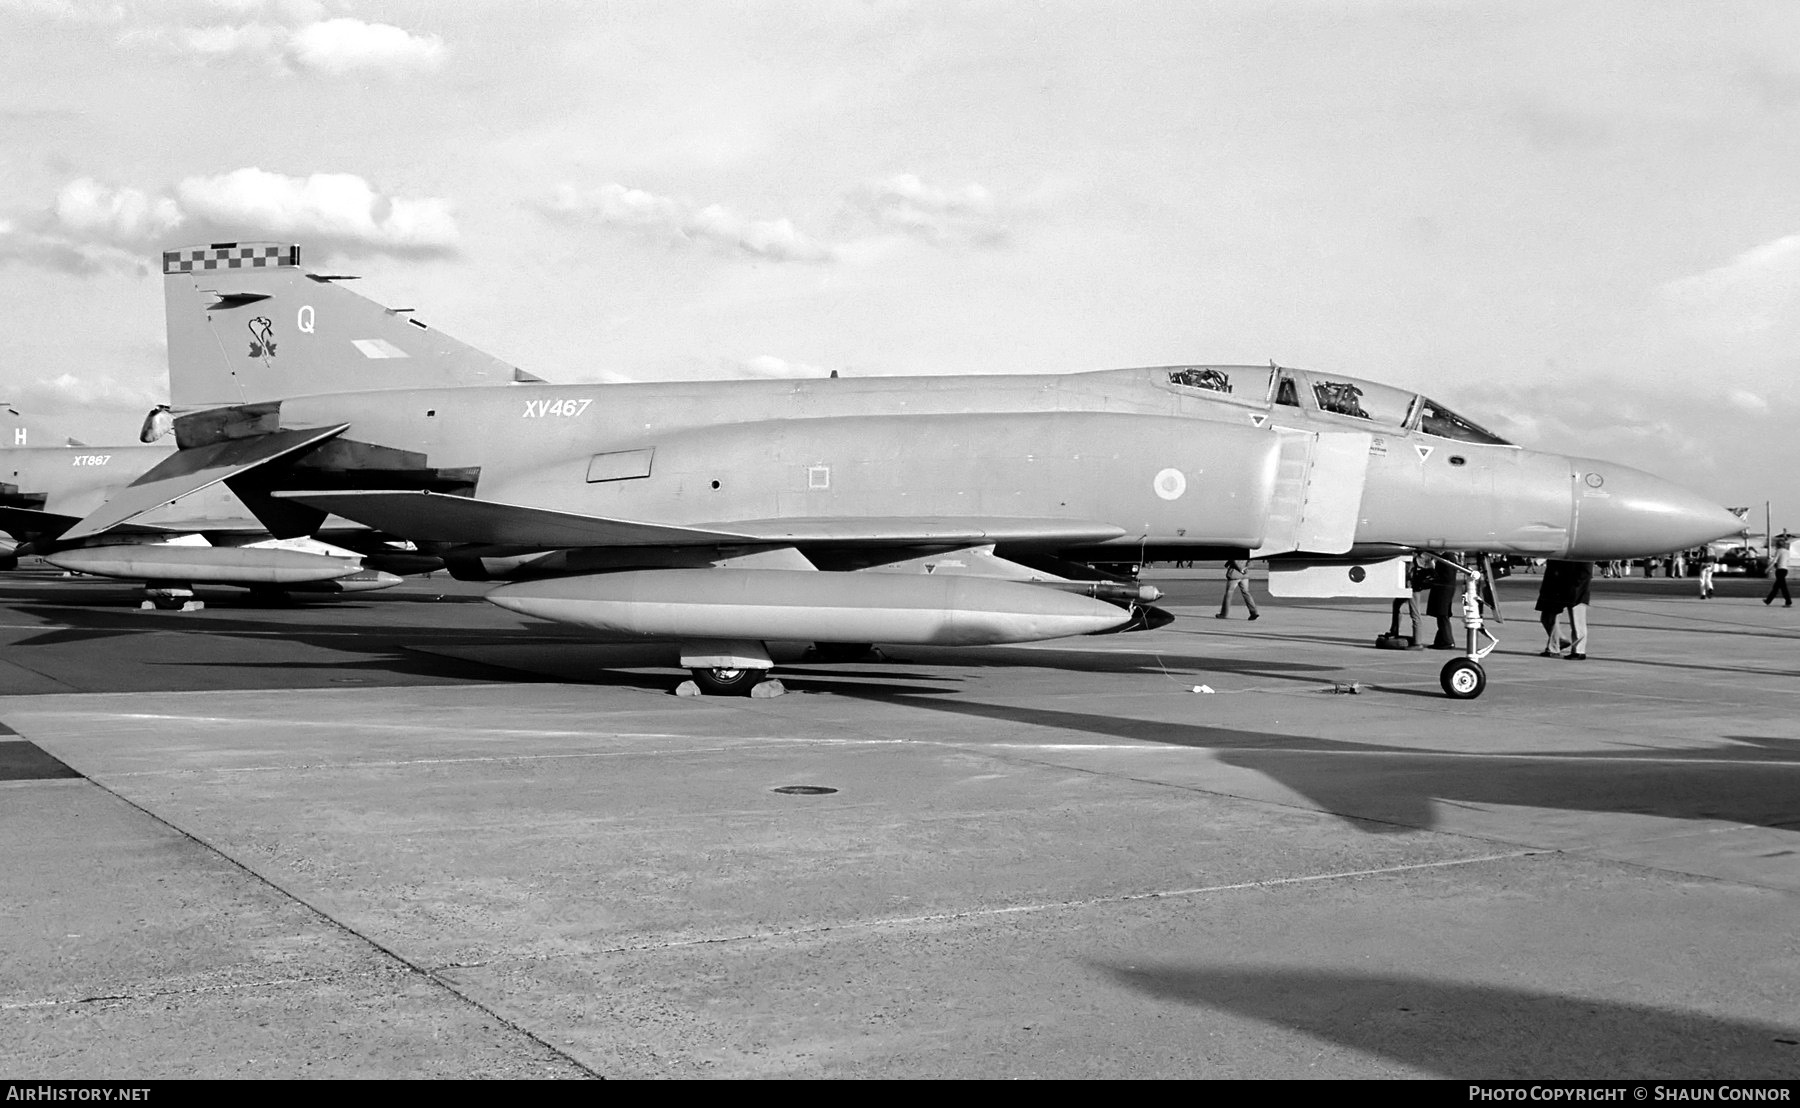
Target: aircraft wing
(436, 517)
(189, 471)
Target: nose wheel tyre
(1463, 679)
(726, 682)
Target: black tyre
(1463, 679)
(726, 682)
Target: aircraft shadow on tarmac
(1323, 640)
(71, 623)
(384, 649)
(543, 654)
(1461, 1030)
(1388, 789)
(1110, 661)
(548, 653)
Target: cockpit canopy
(1334, 394)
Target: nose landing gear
(1463, 678)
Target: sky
(1574, 222)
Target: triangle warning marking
(1424, 451)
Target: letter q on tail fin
(247, 325)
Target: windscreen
(1435, 419)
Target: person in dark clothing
(1550, 605)
(1441, 605)
(1779, 566)
(1565, 589)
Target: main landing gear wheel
(721, 681)
(1463, 679)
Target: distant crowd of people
(1433, 581)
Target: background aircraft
(208, 538)
(727, 514)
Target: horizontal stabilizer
(188, 471)
(436, 517)
(30, 521)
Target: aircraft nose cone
(1622, 512)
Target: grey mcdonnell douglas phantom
(724, 515)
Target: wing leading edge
(436, 517)
(189, 471)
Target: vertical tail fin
(248, 325)
(14, 430)
(17, 429)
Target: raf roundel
(1170, 484)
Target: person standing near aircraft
(1441, 601)
(1783, 549)
(1565, 588)
(1550, 605)
(1708, 563)
(1237, 578)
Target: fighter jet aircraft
(724, 515)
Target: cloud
(66, 11)
(1758, 291)
(1668, 428)
(616, 204)
(97, 228)
(962, 216)
(716, 226)
(343, 45)
(1747, 401)
(882, 214)
(125, 215)
(332, 47)
(767, 365)
(247, 40)
(68, 392)
(63, 254)
(337, 209)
